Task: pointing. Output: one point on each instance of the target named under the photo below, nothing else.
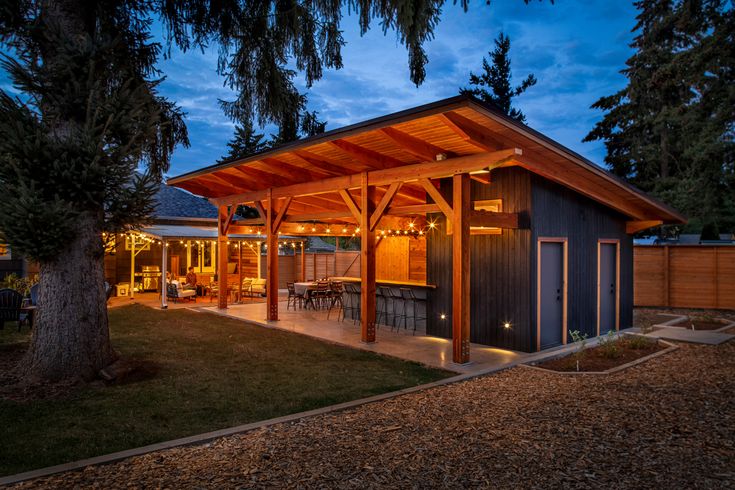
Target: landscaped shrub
(20, 284)
(609, 345)
(638, 342)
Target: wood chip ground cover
(667, 423)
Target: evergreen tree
(90, 114)
(494, 84)
(245, 142)
(670, 130)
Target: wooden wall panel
(499, 272)
(348, 264)
(697, 276)
(561, 212)
(417, 260)
(391, 259)
(649, 285)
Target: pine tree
(670, 130)
(245, 142)
(494, 84)
(90, 114)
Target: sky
(575, 49)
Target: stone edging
(671, 347)
(728, 324)
(209, 436)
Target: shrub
(20, 284)
(609, 345)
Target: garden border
(671, 347)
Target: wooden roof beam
(366, 156)
(632, 227)
(327, 164)
(261, 176)
(415, 146)
(291, 171)
(406, 173)
(470, 131)
(384, 203)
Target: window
(5, 251)
(494, 205)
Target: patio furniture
(247, 288)
(175, 292)
(258, 287)
(293, 297)
(35, 287)
(351, 307)
(11, 303)
(410, 300)
(336, 291)
(386, 301)
(322, 293)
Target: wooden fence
(701, 276)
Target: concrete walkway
(421, 348)
(709, 337)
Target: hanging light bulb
(344, 230)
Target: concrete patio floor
(421, 348)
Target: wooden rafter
(261, 210)
(383, 204)
(325, 163)
(366, 156)
(297, 173)
(470, 131)
(411, 210)
(415, 146)
(407, 173)
(267, 178)
(632, 227)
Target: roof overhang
(455, 135)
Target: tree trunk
(71, 339)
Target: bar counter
(385, 307)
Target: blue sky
(575, 49)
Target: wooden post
(461, 269)
(239, 269)
(303, 263)
(164, 273)
(367, 263)
(271, 271)
(131, 291)
(259, 260)
(222, 257)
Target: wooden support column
(461, 269)
(222, 257)
(239, 270)
(303, 263)
(164, 274)
(271, 243)
(367, 262)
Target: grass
(210, 373)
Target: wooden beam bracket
(383, 204)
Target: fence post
(716, 278)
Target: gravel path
(666, 423)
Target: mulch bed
(666, 423)
(596, 359)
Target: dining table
(300, 288)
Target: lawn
(204, 372)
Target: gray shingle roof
(176, 203)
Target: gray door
(608, 286)
(552, 293)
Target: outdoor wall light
(443, 316)
(506, 325)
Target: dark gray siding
(500, 269)
(561, 212)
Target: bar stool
(388, 307)
(351, 306)
(410, 299)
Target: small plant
(609, 345)
(646, 326)
(581, 338)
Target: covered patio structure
(420, 172)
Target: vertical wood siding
(500, 269)
(561, 212)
